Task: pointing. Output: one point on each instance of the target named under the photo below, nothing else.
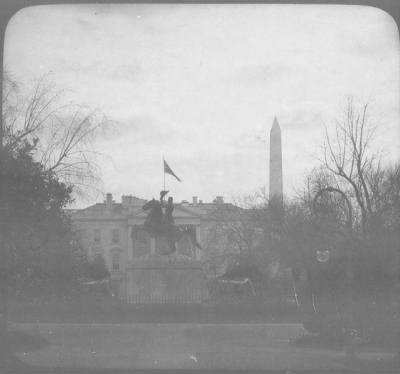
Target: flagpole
(164, 172)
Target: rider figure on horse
(169, 208)
(168, 219)
(158, 223)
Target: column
(197, 251)
(130, 244)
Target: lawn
(179, 346)
(110, 310)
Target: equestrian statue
(160, 224)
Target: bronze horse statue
(158, 224)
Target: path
(180, 346)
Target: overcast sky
(201, 85)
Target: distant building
(106, 229)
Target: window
(115, 236)
(212, 234)
(81, 235)
(115, 261)
(97, 235)
(230, 237)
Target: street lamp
(323, 255)
(349, 208)
(349, 222)
(350, 347)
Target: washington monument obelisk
(275, 162)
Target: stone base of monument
(160, 277)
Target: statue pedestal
(168, 279)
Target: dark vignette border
(9, 7)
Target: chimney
(126, 200)
(219, 199)
(194, 200)
(109, 201)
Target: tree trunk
(5, 351)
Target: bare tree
(234, 221)
(384, 184)
(347, 154)
(241, 225)
(62, 133)
(253, 228)
(329, 207)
